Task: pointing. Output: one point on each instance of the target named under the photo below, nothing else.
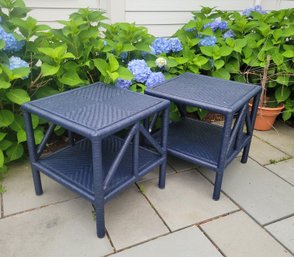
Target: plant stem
(264, 81)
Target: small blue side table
(110, 156)
(203, 143)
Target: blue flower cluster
(257, 8)
(16, 62)
(229, 34)
(217, 24)
(140, 70)
(154, 79)
(163, 45)
(122, 83)
(208, 41)
(11, 43)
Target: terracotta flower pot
(266, 117)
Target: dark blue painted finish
(102, 164)
(207, 144)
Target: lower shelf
(72, 165)
(199, 142)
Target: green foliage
(244, 56)
(86, 50)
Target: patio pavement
(253, 218)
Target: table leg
(32, 152)
(226, 135)
(98, 186)
(164, 131)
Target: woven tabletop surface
(204, 91)
(95, 107)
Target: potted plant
(269, 62)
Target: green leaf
(282, 94)
(221, 73)
(18, 96)
(35, 121)
(68, 55)
(207, 50)
(1, 158)
(128, 48)
(38, 135)
(113, 75)
(5, 144)
(125, 73)
(200, 60)
(277, 57)
(6, 118)
(4, 84)
(289, 53)
(2, 44)
(113, 63)
(2, 135)
(49, 70)
(19, 73)
(15, 152)
(71, 79)
(239, 44)
(284, 80)
(286, 115)
(181, 60)
(101, 65)
(226, 51)
(21, 136)
(46, 91)
(17, 124)
(219, 63)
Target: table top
(205, 92)
(95, 110)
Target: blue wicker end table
(109, 154)
(203, 143)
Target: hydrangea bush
(236, 46)
(37, 61)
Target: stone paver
(261, 193)
(239, 236)
(284, 231)
(189, 242)
(179, 164)
(20, 193)
(264, 153)
(282, 137)
(130, 219)
(186, 200)
(284, 169)
(155, 173)
(66, 229)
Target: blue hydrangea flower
(154, 79)
(16, 62)
(208, 41)
(229, 34)
(11, 43)
(124, 55)
(257, 8)
(140, 70)
(160, 45)
(175, 45)
(122, 83)
(217, 24)
(223, 25)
